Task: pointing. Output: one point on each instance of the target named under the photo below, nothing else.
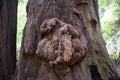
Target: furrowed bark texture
(8, 25)
(62, 41)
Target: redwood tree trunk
(62, 41)
(8, 25)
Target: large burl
(60, 46)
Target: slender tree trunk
(62, 41)
(8, 25)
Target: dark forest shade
(79, 17)
(95, 75)
(8, 26)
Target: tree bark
(8, 28)
(62, 41)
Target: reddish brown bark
(62, 41)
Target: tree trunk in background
(62, 41)
(8, 26)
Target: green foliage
(21, 1)
(109, 16)
(109, 11)
(104, 3)
(113, 57)
(21, 19)
(117, 2)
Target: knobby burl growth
(60, 46)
